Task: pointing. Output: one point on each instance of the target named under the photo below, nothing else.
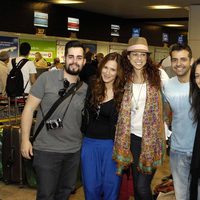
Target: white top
(53, 68)
(137, 114)
(166, 62)
(164, 77)
(166, 65)
(27, 69)
(139, 100)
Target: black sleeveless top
(102, 121)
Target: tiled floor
(13, 192)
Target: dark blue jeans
(56, 174)
(141, 182)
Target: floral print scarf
(153, 138)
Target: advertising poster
(61, 49)
(92, 47)
(10, 44)
(46, 48)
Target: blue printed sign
(10, 44)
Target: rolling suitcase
(11, 157)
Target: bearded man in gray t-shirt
(56, 149)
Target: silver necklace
(98, 111)
(138, 98)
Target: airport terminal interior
(103, 27)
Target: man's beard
(72, 72)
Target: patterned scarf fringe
(148, 168)
(123, 161)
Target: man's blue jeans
(180, 168)
(56, 174)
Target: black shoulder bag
(85, 112)
(54, 106)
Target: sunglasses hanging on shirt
(62, 91)
(66, 85)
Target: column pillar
(194, 30)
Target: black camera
(54, 124)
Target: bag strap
(14, 62)
(20, 64)
(54, 106)
(26, 85)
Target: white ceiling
(137, 9)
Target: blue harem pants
(99, 170)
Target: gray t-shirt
(61, 140)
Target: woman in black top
(103, 102)
(195, 108)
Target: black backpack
(15, 80)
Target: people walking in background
(195, 108)
(166, 65)
(90, 69)
(28, 70)
(4, 60)
(103, 102)
(98, 58)
(176, 91)
(56, 149)
(56, 64)
(39, 60)
(140, 137)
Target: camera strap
(54, 106)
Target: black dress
(195, 165)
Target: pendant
(98, 111)
(137, 108)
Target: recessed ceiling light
(173, 25)
(164, 7)
(67, 1)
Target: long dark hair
(150, 71)
(98, 88)
(194, 93)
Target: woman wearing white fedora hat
(140, 137)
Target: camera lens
(54, 125)
(66, 83)
(61, 92)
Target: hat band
(138, 47)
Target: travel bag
(12, 161)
